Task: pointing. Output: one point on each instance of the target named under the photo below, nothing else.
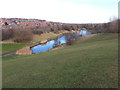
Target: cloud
(54, 10)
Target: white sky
(68, 11)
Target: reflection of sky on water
(62, 40)
(42, 48)
(84, 32)
(49, 45)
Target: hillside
(46, 26)
(37, 24)
(26, 30)
(90, 63)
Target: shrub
(67, 27)
(23, 36)
(74, 27)
(37, 31)
(71, 38)
(60, 27)
(54, 28)
(7, 34)
(70, 42)
(111, 27)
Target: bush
(67, 27)
(74, 27)
(70, 42)
(111, 27)
(37, 32)
(23, 36)
(71, 38)
(54, 28)
(7, 34)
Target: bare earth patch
(6, 42)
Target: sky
(66, 11)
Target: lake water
(49, 45)
(60, 40)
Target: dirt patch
(24, 51)
(6, 42)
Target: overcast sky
(68, 11)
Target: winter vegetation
(23, 30)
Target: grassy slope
(0, 49)
(88, 64)
(11, 47)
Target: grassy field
(11, 47)
(0, 49)
(90, 63)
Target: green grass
(90, 63)
(0, 49)
(27, 21)
(11, 47)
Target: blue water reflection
(84, 32)
(49, 45)
(62, 40)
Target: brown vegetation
(110, 27)
(24, 51)
(19, 35)
(25, 32)
(71, 38)
(23, 36)
(7, 34)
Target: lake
(58, 41)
